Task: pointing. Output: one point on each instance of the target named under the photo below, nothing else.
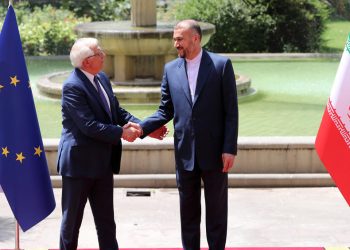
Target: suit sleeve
(164, 113)
(230, 109)
(75, 104)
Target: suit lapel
(109, 94)
(103, 81)
(92, 89)
(183, 80)
(203, 72)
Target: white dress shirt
(192, 67)
(91, 78)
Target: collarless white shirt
(192, 67)
(91, 78)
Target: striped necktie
(102, 96)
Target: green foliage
(340, 9)
(49, 29)
(46, 30)
(99, 10)
(259, 25)
(299, 25)
(53, 33)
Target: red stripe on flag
(227, 248)
(335, 154)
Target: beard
(181, 53)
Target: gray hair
(190, 24)
(81, 49)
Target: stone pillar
(123, 68)
(143, 13)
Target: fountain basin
(51, 86)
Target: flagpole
(17, 240)
(17, 247)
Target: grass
(335, 35)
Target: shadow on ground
(7, 229)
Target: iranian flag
(333, 138)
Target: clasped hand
(132, 130)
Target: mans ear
(85, 63)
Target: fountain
(136, 52)
(138, 49)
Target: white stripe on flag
(340, 94)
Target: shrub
(340, 9)
(46, 30)
(53, 34)
(99, 10)
(259, 25)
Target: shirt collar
(88, 75)
(197, 59)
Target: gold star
(37, 151)
(29, 86)
(1, 87)
(5, 151)
(14, 80)
(20, 157)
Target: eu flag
(24, 175)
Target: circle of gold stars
(20, 156)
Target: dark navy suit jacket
(206, 127)
(90, 144)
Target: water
(291, 96)
(290, 102)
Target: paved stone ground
(280, 217)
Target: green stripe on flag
(347, 45)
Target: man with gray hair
(90, 148)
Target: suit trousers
(215, 194)
(75, 193)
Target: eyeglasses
(100, 54)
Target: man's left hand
(159, 133)
(228, 161)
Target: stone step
(234, 180)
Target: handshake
(132, 130)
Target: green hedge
(46, 30)
(46, 26)
(259, 25)
(99, 10)
(340, 9)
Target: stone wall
(261, 162)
